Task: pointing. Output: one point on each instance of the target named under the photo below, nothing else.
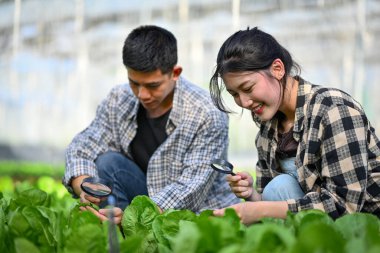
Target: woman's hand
(245, 211)
(251, 212)
(103, 214)
(242, 186)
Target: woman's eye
(247, 89)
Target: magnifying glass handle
(112, 235)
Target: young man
(155, 136)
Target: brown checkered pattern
(338, 156)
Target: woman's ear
(277, 69)
(177, 70)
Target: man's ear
(277, 69)
(177, 70)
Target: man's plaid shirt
(179, 174)
(338, 156)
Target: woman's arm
(336, 158)
(251, 212)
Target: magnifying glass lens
(96, 187)
(222, 166)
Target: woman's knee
(282, 187)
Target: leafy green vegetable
(166, 226)
(188, 238)
(23, 245)
(6, 184)
(37, 221)
(137, 220)
(32, 197)
(134, 243)
(360, 231)
(89, 204)
(319, 237)
(269, 237)
(298, 220)
(2, 230)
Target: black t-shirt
(150, 135)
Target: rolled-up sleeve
(96, 139)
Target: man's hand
(103, 214)
(75, 184)
(85, 198)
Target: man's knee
(109, 160)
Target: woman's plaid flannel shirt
(338, 156)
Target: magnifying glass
(222, 166)
(96, 187)
(101, 188)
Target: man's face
(154, 89)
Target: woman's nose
(245, 101)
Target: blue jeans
(284, 186)
(128, 179)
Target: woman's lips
(258, 109)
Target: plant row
(33, 220)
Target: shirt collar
(177, 107)
(301, 98)
(305, 90)
(303, 93)
(132, 115)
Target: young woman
(316, 147)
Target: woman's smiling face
(256, 91)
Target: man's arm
(86, 146)
(76, 182)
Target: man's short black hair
(148, 48)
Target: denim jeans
(128, 179)
(284, 186)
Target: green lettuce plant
(38, 218)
